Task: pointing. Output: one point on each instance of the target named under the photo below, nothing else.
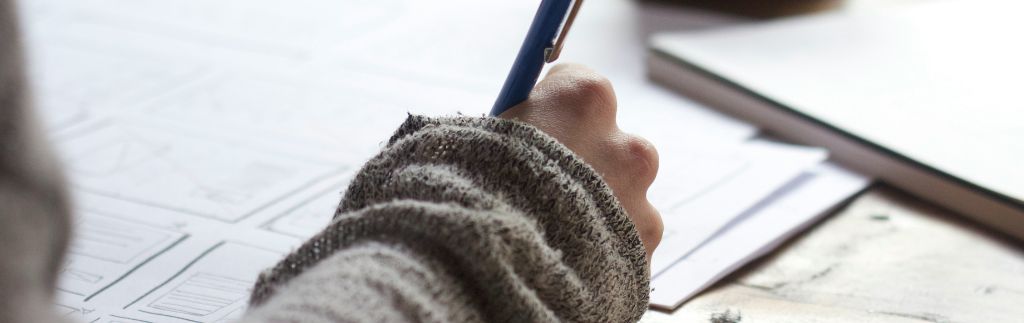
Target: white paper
(169, 168)
(106, 248)
(757, 232)
(709, 187)
(309, 216)
(211, 286)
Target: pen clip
(551, 53)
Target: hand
(577, 106)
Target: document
(710, 187)
(754, 233)
(206, 139)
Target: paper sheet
(759, 230)
(713, 186)
(205, 139)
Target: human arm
(475, 219)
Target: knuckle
(650, 227)
(653, 233)
(593, 83)
(596, 89)
(592, 97)
(643, 158)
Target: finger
(650, 226)
(572, 102)
(549, 93)
(578, 83)
(579, 93)
(634, 168)
(644, 215)
(642, 160)
(563, 67)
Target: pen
(540, 47)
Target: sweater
(466, 220)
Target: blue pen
(540, 47)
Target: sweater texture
(466, 220)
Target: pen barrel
(530, 60)
(518, 84)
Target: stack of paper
(205, 139)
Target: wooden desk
(887, 257)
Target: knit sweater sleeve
(465, 220)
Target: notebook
(924, 96)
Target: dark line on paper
(143, 263)
(183, 269)
(171, 316)
(130, 319)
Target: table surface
(886, 257)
